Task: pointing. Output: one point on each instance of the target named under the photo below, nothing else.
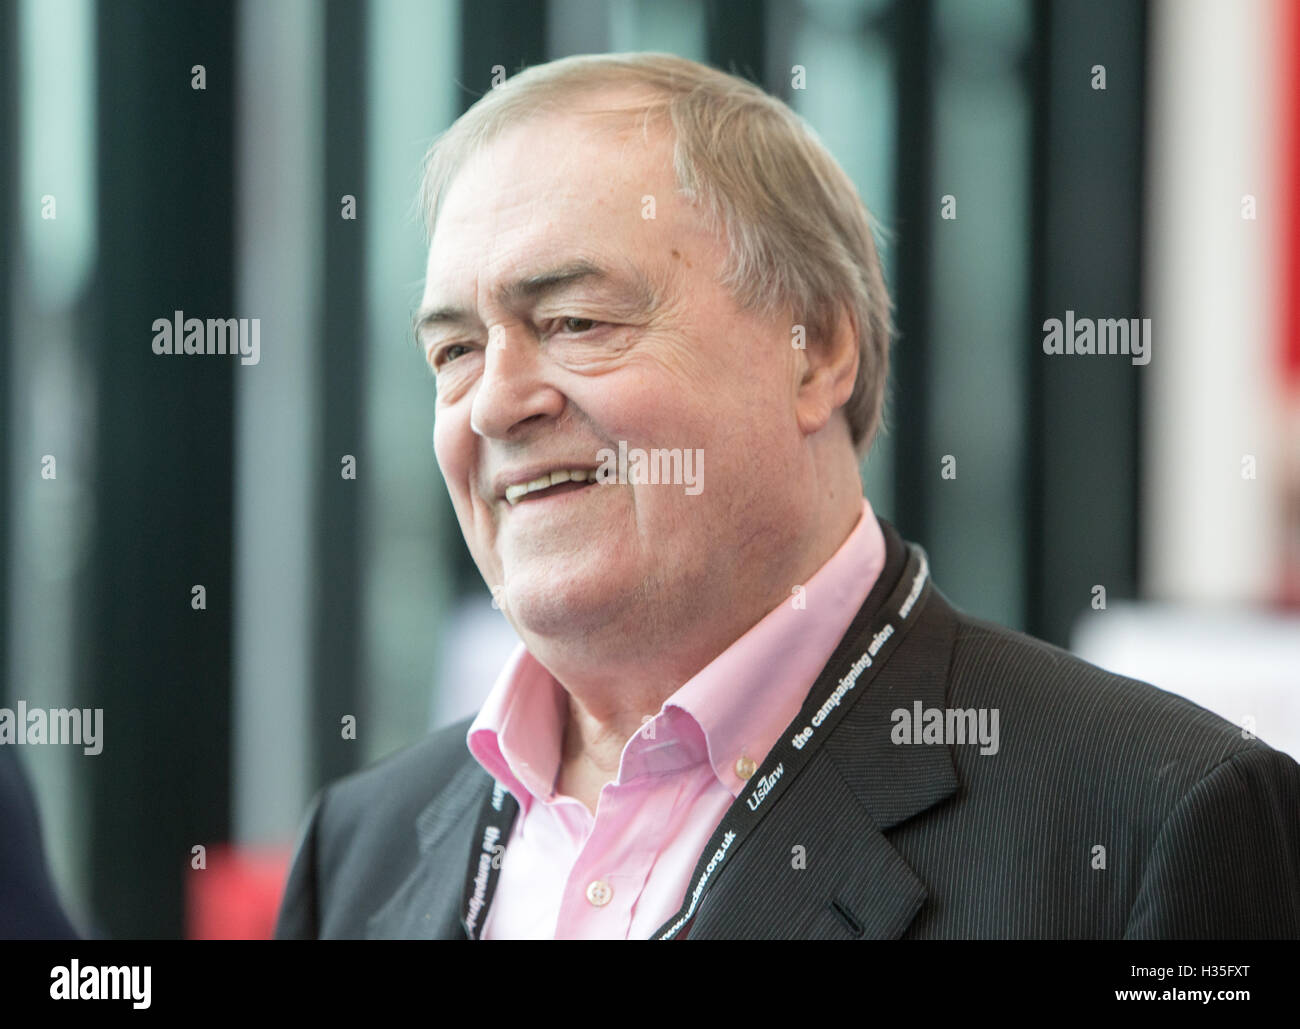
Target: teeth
(515, 493)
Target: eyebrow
(533, 287)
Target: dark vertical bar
(8, 254)
(1035, 403)
(498, 32)
(493, 32)
(160, 669)
(1084, 439)
(1137, 397)
(338, 597)
(916, 467)
(735, 37)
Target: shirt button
(745, 767)
(599, 892)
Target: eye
(448, 353)
(578, 324)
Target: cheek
(453, 448)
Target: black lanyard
(832, 695)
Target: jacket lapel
(427, 905)
(853, 883)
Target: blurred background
(1026, 158)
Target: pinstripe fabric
(881, 840)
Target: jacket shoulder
(1095, 741)
(408, 778)
(369, 809)
(361, 836)
(1047, 693)
(1105, 805)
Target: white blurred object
(1242, 665)
(1213, 274)
(477, 642)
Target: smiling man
(738, 710)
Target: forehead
(557, 187)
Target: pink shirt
(623, 873)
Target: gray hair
(798, 233)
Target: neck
(618, 677)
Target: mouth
(554, 484)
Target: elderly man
(740, 708)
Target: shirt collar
(518, 732)
(753, 690)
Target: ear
(829, 370)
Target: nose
(512, 390)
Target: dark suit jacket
(1200, 826)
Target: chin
(561, 606)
